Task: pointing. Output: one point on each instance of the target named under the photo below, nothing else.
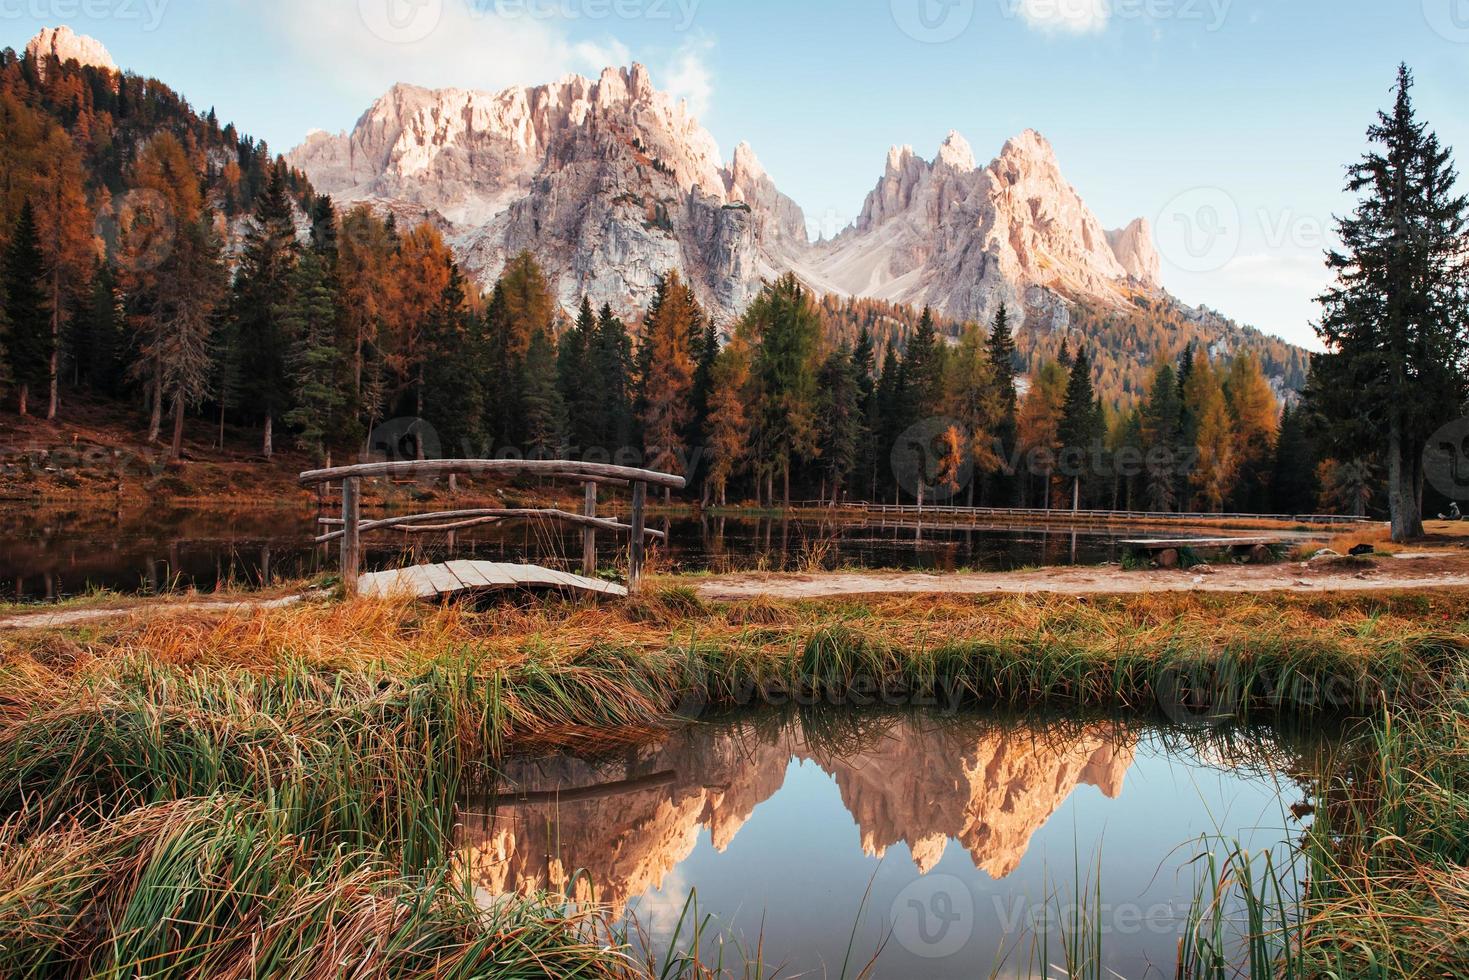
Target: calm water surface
(971, 832)
(50, 554)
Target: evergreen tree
(262, 303)
(890, 397)
(611, 362)
(317, 364)
(324, 231)
(578, 387)
(1161, 449)
(29, 343)
(185, 316)
(839, 421)
(1002, 363)
(453, 389)
(864, 365)
(706, 351)
(1293, 485)
(924, 361)
(1394, 324)
(1081, 429)
(545, 413)
(788, 326)
(98, 339)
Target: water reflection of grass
(159, 771)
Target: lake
(969, 836)
(58, 552)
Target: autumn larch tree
(666, 362)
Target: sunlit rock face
(65, 45)
(628, 823)
(612, 183)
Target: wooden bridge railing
(593, 475)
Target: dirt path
(1426, 571)
(82, 617)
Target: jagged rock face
(611, 183)
(918, 785)
(66, 45)
(963, 239)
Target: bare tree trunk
(155, 420)
(1407, 519)
(24, 395)
(55, 400)
(178, 428)
(269, 448)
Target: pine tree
(706, 351)
(1002, 363)
(545, 413)
(324, 231)
(864, 365)
(261, 304)
(29, 343)
(839, 421)
(890, 397)
(1081, 429)
(1394, 324)
(1161, 449)
(579, 390)
(924, 361)
(1293, 485)
(316, 363)
(788, 327)
(193, 285)
(612, 363)
(453, 373)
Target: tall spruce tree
(317, 362)
(1160, 434)
(839, 421)
(1002, 361)
(1394, 324)
(1081, 429)
(545, 412)
(788, 326)
(574, 373)
(28, 344)
(262, 305)
(612, 363)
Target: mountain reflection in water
(897, 802)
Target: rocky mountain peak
(66, 45)
(956, 154)
(1134, 248)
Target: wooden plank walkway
(455, 577)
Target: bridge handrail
(560, 469)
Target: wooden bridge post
(589, 534)
(637, 547)
(351, 538)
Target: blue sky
(1225, 122)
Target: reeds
(293, 774)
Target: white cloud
(364, 46)
(1066, 16)
(688, 77)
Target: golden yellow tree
(668, 373)
(65, 221)
(1218, 461)
(729, 422)
(1040, 422)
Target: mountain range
(611, 183)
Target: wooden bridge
(457, 577)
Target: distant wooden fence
(1081, 516)
(351, 527)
